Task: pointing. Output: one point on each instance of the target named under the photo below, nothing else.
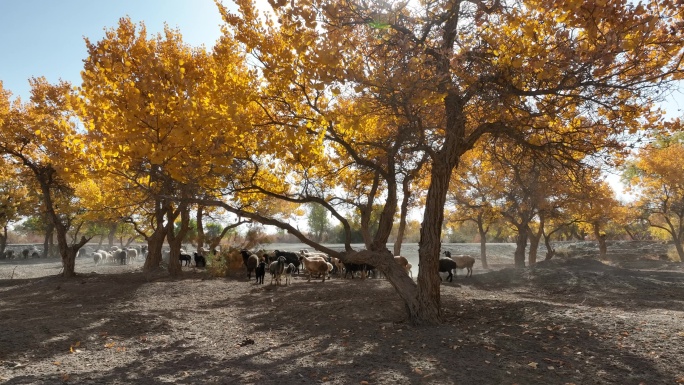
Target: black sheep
(447, 265)
(185, 258)
(200, 261)
(290, 257)
(260, 272)
(120, 255)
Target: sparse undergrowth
(560, 322)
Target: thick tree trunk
(520, 246)
(111, 234)
(155, 243)
(429, 309)
(176, 240)
(535, 238)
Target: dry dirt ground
(562, 322)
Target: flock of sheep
(117, 255)
(25, 253)
(281, 264)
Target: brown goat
(462, 262)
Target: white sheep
(106, 256)
(98, 258)
(131, 254)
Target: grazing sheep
(462, 262)
(315, 265)
(131, 254)
(260, 272)
(365, 269)
(106, 256)
(446, 265)
(251, 264)
(9, 254)
(289, 270)
(276, 268)
(81, 252)
(403, 262)
(120, 255)
(98, 258)
(200, 261)
(25, 253)
(185, 258)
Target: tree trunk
(111, 234)
(550, 252)
(429, 310)
(68, 253)
(534, 241)
(483, 243)
(155, 243)
(176, 240)
(200, 227)
(3, 241)
(520, 246)
(601, 238)
(47, 241)
(680, 249)
(403, 213)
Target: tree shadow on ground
(221, 331)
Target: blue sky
(45, 37)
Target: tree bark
(200, 227)
(483, 243)
(176, 240)
(601, 238)
(47, 241)
(155, 244)
(403, 213)
(550, 251)
(680, 249)
(111, 234)
(520, 246)
(429, 310)
(534, 241)
(3, 241)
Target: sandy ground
(561, 322)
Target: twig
(15, 267)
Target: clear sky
(45, 37)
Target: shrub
(225, 263)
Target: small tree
(318, 221)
